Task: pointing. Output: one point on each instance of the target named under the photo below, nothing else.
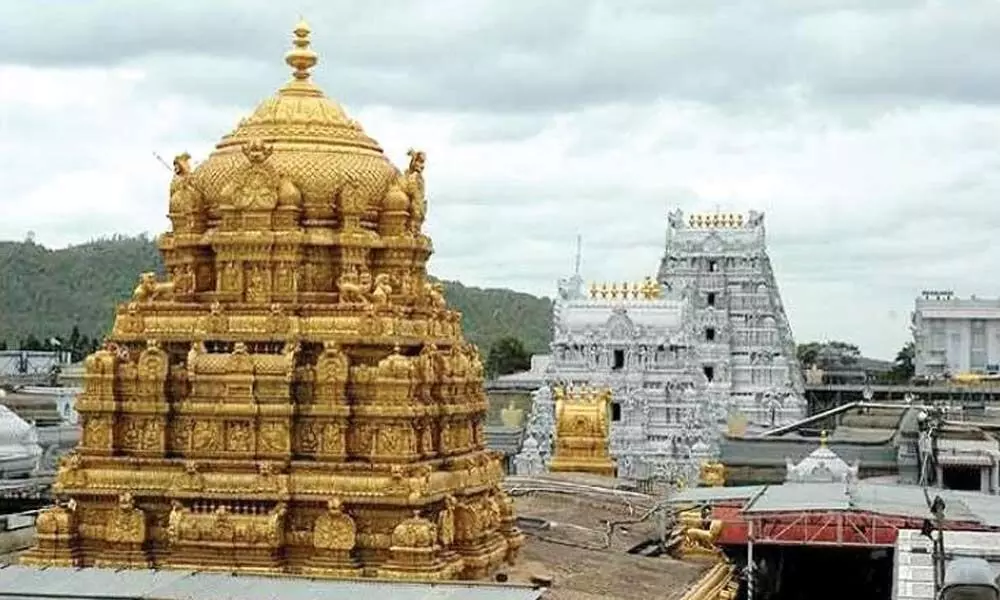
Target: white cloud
(867, 133)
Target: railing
(17, 521)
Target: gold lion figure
(435, 293)
(151, 289)
(703, 538)
(381, 290)
(350, 288)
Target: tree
(827, 354)
(31, 343)
(904, 366)
(807, 353)
(507, 355)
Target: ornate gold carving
(125, 536)
(334, 530)
(713, 474)
(716, 221)
(350, 288)
(696, 534)
(647, 289)
(150, 289)
(57, 537)
(581, 442)
(298, 352)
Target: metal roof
(107, 584)
(985, 506)
(798, 497)
(878, 498)
(711, 495)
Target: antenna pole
(579, 244)
(163, 162)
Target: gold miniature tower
(296, 397)
(581, 441)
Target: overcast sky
(867, 130)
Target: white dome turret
(19, 449)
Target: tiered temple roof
(296, 397)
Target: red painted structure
(848, 528)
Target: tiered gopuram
(296, 397)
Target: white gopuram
(705, 348)
(743, 342)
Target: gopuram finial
(301, 57)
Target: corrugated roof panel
(793, 497)
(715, 494)
(986, 507)
(59, 583)
(894, 500)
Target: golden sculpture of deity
(296, 397)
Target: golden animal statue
(696, 533)
(151, 289)
(581, 440)
(713, 474)
(182, 164)
(287, 408)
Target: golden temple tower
(296, 397)
(581, 440)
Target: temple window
(710, 334)
(711, 299)
(616, 411)
(618, 357)
(709, 372)
(713, 266)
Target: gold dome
(296, 351)
(315, 145)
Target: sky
(867, 131)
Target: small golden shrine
(712, 474)
(296, 397)
(581, 441)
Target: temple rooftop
(564, 516)
(109, 584)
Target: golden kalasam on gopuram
(296, 397)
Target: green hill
(46, 293)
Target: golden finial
(301, 57)
(822, 439)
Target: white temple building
(685, 356)
(19, 448)
(633, 341)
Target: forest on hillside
(47, 294)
